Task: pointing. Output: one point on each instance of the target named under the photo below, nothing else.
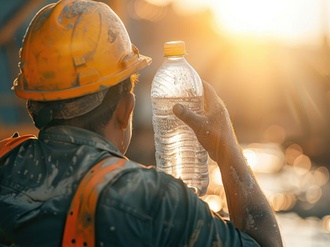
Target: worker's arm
(248, 208)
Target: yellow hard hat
(74, 48)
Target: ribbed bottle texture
(178, 151)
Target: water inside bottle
(178, 151)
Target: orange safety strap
(6, 145)
(80, 223)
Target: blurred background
(268, 60)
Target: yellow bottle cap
(174, 48)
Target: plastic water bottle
(178, 151)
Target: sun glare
(282, 19)
(243, 16)
(293, 21)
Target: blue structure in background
(12, 110)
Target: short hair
(96, 119)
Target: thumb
(192, 119)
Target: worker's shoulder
(10, 143)
(139, 187)
(132, 175)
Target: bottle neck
(175, 58)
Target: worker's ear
(124, 109)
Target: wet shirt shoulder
(155, 209)
(38, 179)
(139, 207)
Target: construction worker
(73, 186)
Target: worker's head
(75, 54)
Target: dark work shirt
(141, 207)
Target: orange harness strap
(80, 223)
(6, 145)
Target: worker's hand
(214, 129)
(247, 205)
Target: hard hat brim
(101, 84)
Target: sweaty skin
(248, 207)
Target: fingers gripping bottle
(178, 151)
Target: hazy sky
(292, 21)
